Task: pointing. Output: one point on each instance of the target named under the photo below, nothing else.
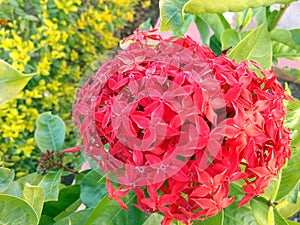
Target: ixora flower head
(176, 125)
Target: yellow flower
(44, 65)
(7, 43)
(67, 5)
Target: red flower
(176, 125)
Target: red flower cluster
(176, 125)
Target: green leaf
(217, 22)
(284, 45)
(16, 188)
(11, 82)
(292, 222)
(296, 35)
(154, 219)
(215, 220)
(260, 208)
(67, 196)
(230, 38)
(34, 196)
(91, 190)
(108, 212)
(171, 14)
(50, 183)
(146, 25)
(215, 45)
(203, 29)
(50, 132)
(6, 177)
(15, 211)
(78, 218)
(290, 177)
(255, 46)
(217, 6)
(288, 209)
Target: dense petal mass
(176, 125)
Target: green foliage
(11, 82)
(58, 40)
(6, 177)
(215, 220)
(50, 132)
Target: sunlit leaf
(15, 211)
(215, 220)
(11, 82)
(216, 6)
(34, 196)
(50, 183)
(6, 177)
(255, 46)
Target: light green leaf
(108, 212)
(290, 177)
(146, 25)
(284, 45)
(77, 218)
(11, 82)
(15, 211)
(203, 29)
(230, 38)
(288, 209)
(16, 188)
(255, 46)
(154, 219)
(34, 196)
(296, 35)
(217, 23)
(50, 132)
(50, 183)
(217, 6)
(215, 220)
(171, 14)
(6, 177)
(292, 222)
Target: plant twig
(282, 10)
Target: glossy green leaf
(78, 218)
(215, 220)
(288, 209)
(91, 190)
(108, 212)
(50, 183)
(66, 198)
(50, 132)
(6, 177)
(154, 219)
(35, 197)
(290, 177)
(284, 45)
(216, 6)
(16, 188)
(15, 211)
(11, 82)
(230, 38)
(203, 29)
(217, 23)
(255, 46)
(171, 13)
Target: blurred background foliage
(58, 39)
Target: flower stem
(282, 10)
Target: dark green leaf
(296, 35)
(11, 82)
(50, 132)
(77, 218)
(91, 190)
(215, 45)
(67, 196)
(15, 211)
(108, 212)
(6, 177)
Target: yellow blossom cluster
(58, 39)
